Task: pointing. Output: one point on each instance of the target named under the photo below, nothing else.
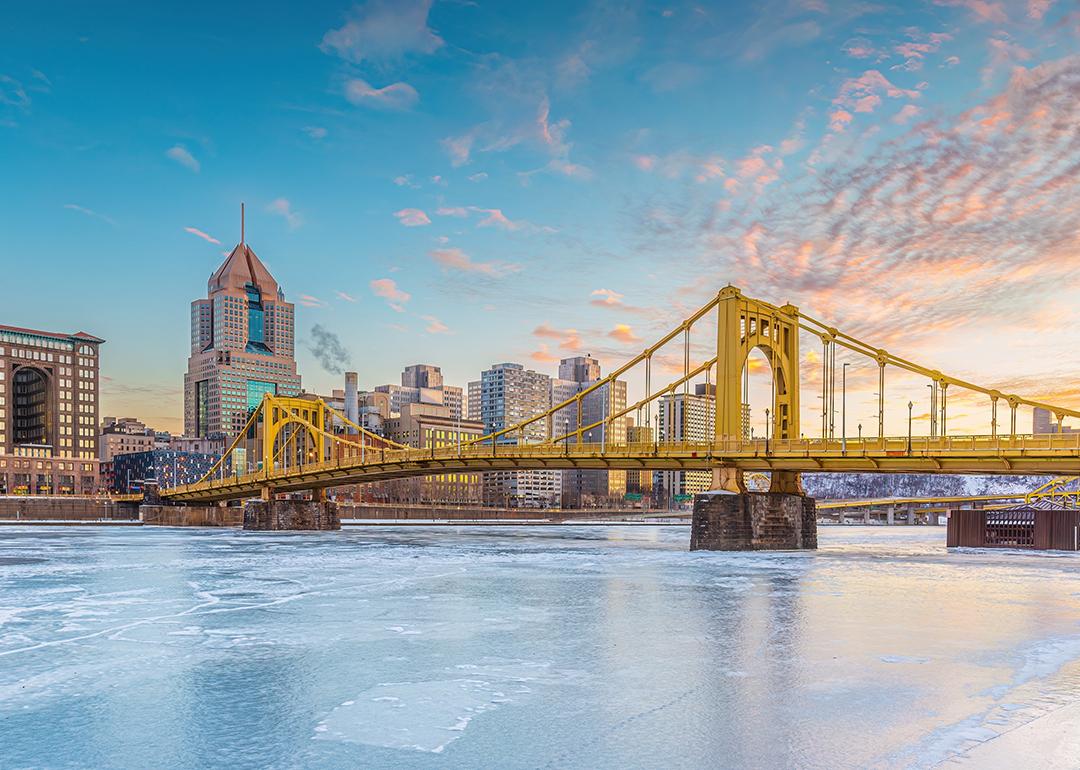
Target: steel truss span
(292, 444)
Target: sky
(463, 183)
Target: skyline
(417, 171)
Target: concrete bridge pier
(271, 515)
(890, 515)
(753, 521)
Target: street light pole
(910, 405)
(843, 406)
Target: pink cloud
(412, 217)
(282, 207)
(1037, 8)
(982, 10)
(388, 289)
(308, 300)
(456, 259)
(459, 148)
(860, 48)
(569, 339)
(435, 326)
(201, 234)
(644, 162)
(906, 113)
(542, 355)
(623, 333)
(606, 298)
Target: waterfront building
(124, 435)
(510, 394)
(49, 389)
(1043, 422)
(164, 467)
(639, 482)
(431, 426)
(589, 487)
(242, 346)
(684, 417)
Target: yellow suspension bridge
(302, 444)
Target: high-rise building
(579, 369)
(584, 487)
(48, 412)
(423, 384)
(242, 344)
(1043, 422)
(511, 394)
(422, 376)
(684, 417)
(639, 482)
(473, 404)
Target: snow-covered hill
(842, 486)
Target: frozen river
(520, 647)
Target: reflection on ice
(521, 647)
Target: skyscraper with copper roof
(242, 346)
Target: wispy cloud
(345, 296)
(396, 96)
(435, 326)
(318, 133)
(308, 300)
(606, 298)
(199, 233)
(568, 339)
(181, 155)
(456, 259)
(281, 207)
(492, 218)
(89, 212)
(383, 30)
(388, 289)
(543, 355)
(412, 217)
(981, 10)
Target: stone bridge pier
(273, 515)
(753, 521)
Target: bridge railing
(1067, 444)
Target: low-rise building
(122, 436)
(165, 467)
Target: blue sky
(462, 183)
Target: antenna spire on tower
(241, 223)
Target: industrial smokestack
(352, 411)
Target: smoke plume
(326, 347)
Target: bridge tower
(743, 325)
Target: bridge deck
(1056, 454)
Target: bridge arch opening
(758, 384)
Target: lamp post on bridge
(843, 406)
(910, 406)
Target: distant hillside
(842, 486)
